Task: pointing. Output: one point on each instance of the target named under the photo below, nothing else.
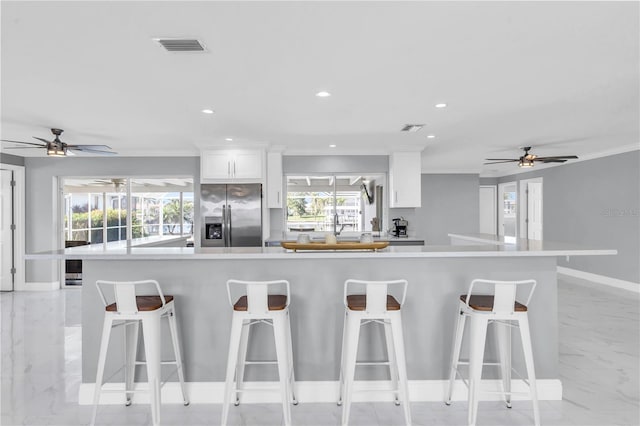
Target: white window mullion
(181, 214)
(89, 217)
(160, 207)
(104, 217)
(129, 217)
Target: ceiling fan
(527, 159)
(116, 182)
(57, 148)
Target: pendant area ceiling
(558, 76)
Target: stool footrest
(372, 362)
(260, 362)
(484, 363)
(257, 389)
(161, 362)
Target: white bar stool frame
(127, 314)
(505, 315)
(258, 310)
(375, 310)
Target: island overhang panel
(317, 310)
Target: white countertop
(522, 248)
(486, 238)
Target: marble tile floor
(599, 366)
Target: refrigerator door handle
(224, 224)
(229, 227)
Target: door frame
(500, 211)
(19, 220)
(523, 204)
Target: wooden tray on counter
(340, 245)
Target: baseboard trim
(40, 286)
(419, 391)
(600, 279)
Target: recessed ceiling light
(323, 94)
(207, 111)
(332, 146)
(431, 136)
(441, 105)
(228, 139)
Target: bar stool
(501, 309)
(256, 305)
(129, 310)
(376, 305)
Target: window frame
(380, 179)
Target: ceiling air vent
(412, 127)
(181, 44)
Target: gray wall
(450, 203)
(594, 203)
(42, 227)
(11, 159)
(335, 163)
(488, 181)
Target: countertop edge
(315, 255)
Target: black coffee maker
(399, 227)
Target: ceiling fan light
(56, 151)
(525, 163)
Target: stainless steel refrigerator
(231, 215)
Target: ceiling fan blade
(24, 147)
(552, 160)
(88, 146)
(500, 162)
(502, 159)
(94, 151)
(26, 143)
(43, 140)
(558, 157)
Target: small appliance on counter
(400, 227)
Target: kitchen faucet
(335, 225)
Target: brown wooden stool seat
(276, 302)
(485, 303)
(358, 302)
(145, 303)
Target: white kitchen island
(437, 276)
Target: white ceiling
(560, 76)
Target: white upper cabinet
(405, 170)
(274, 180)
(231, 165)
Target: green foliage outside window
(171, 215)
(115, 220)
(296, 206)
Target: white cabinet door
(274, 180)
(247, 165)
(215, 165)
(231, 165)
(405, 170)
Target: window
(328, 203)
(96, 209)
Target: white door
(534, 211)
(488, 210)
(6, 232)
